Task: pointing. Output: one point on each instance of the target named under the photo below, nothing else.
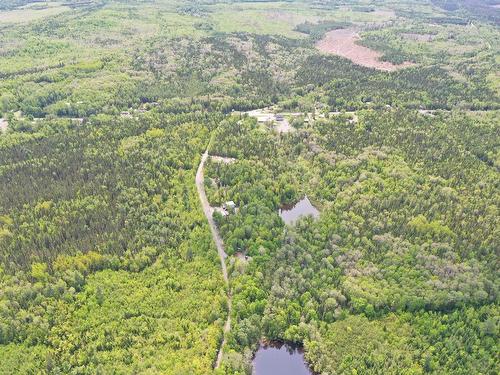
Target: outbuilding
(229, 206)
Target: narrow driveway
(218, 243)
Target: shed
(229, 206)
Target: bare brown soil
(342, 42)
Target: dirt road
(218, 243)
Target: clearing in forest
(343, 42)
(3, 125)
(32, 12)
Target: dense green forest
(107, 261)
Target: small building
(229, 206)
(221, 211)
(279, 117)
(263, 118)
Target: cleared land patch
(3, 125)
(343, 42)
(24, 15)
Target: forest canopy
(108, 261)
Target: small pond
(279, 359)
(303, 207)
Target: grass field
(281, 18)
(33, 12)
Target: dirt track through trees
(207, 210)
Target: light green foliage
(406, 344)
(166, 319)
(114, 265)
(393, 233)
(107, 264)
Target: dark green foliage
(107, 264)
(92, 213)
(350, 88)
(397, 234)
(317, 30)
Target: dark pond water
(303, 207)
(279, 359)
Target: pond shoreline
(280, 355)
(291, 213)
